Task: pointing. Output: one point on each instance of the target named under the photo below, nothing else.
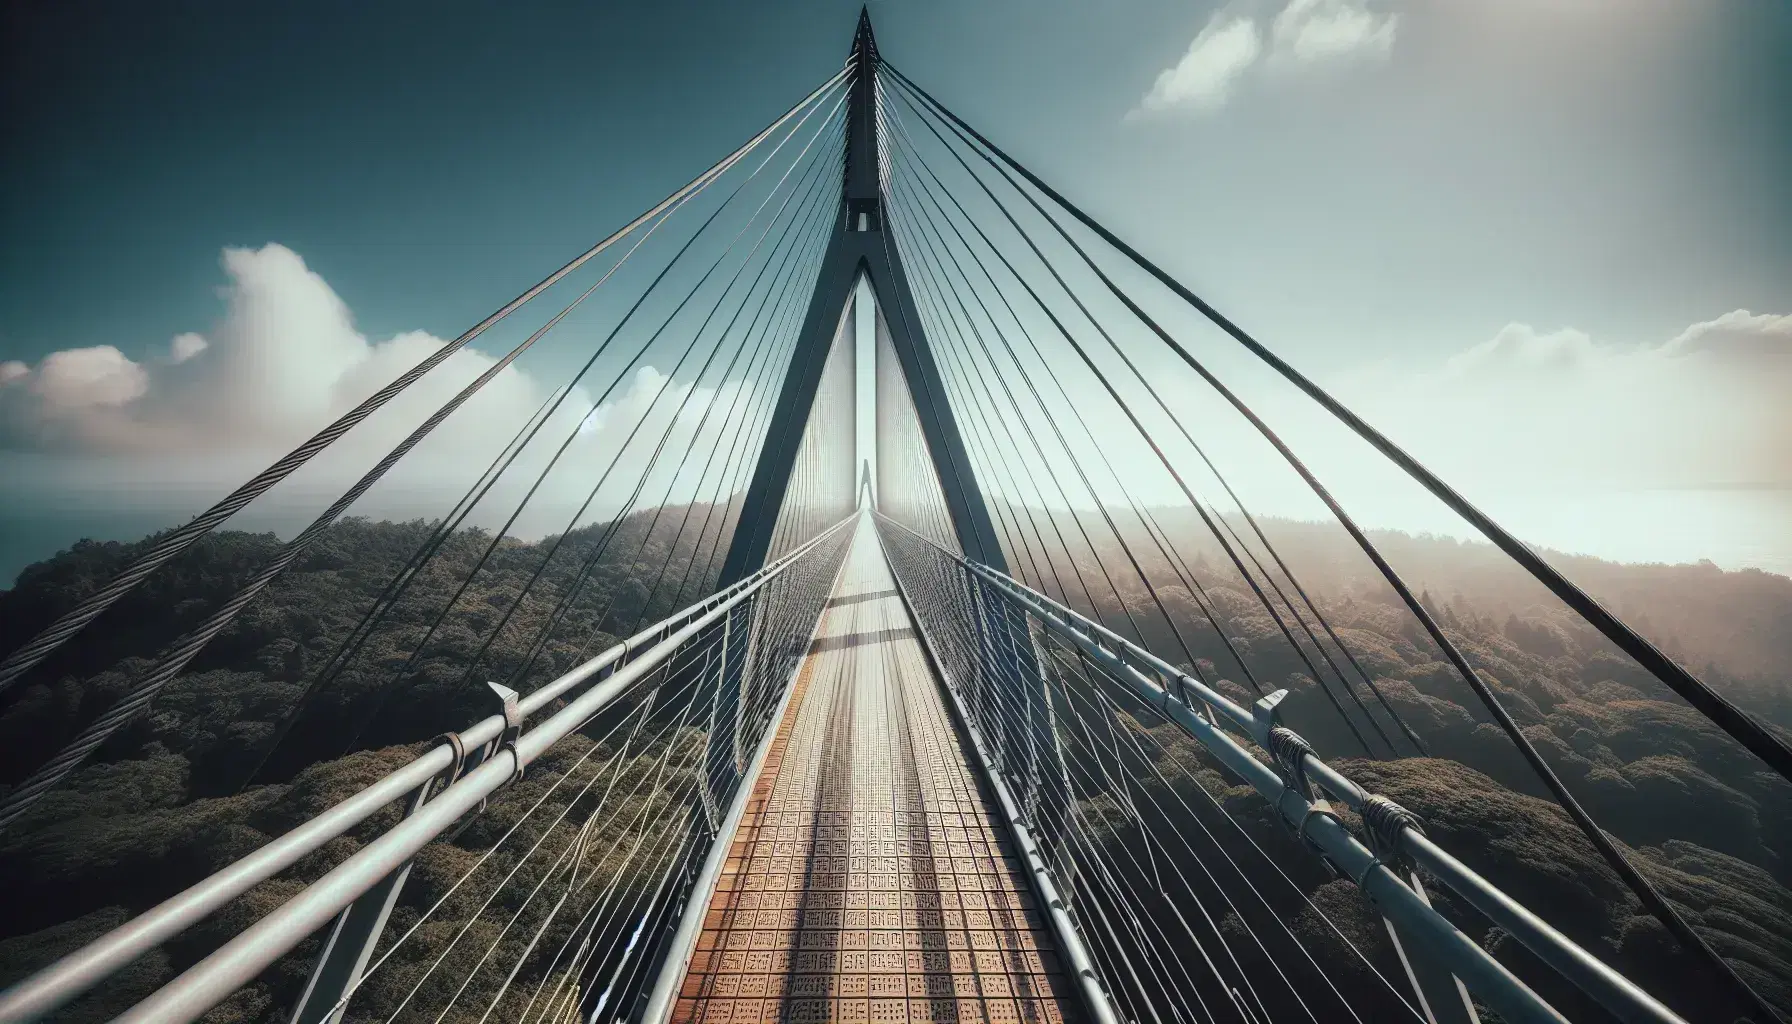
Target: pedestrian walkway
(869, 881)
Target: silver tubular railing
(1206, 715)
(239, 961)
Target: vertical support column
(352, 940)
(1442, 997)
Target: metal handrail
(183, 998)
(1486, 977)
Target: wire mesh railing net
(1190, 908)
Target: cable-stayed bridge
(958, 736)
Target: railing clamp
(1182, 693)
(452, 772)
(1289, 750)
(1321, 808)
(1385, 823)
(506, 740)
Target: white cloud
(1203, 79)
(1309, 31)
(79, 379)
(285, 359)
(1636, 449)
(1231, 44)
(1738, 334)
(186, 346)
(1705, 407)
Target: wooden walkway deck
(869, 881)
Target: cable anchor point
(513, 726)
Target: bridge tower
(861, 248)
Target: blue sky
(1404, 191)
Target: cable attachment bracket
(513, 726)
(505, 740)
(1265, 716)
(1289, 751)
(1385, 822)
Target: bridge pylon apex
(861, 247)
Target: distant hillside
(170, 799)
(221, 713)
(1733, 626)
(1712, 827)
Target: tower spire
(860, 248)
(862, 189)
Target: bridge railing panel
(551, 847)
(1189, 892)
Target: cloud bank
(1676, 448)
(1313, 31)
(1707, 407)
(284, 360)
(1233, 44)
(180, 426)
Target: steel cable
(1741, 726)
(1209, 520)
(397, 587)
(1263, 598)
(1746, 999)
(385, 693)
(47, 640)
(170, 663)
(1015, 685)
(671, 426)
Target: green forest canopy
(170, 799)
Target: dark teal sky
(429, 159)
(1614, 168)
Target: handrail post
(352, 940)
(1442, 997)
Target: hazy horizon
(26, 542)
